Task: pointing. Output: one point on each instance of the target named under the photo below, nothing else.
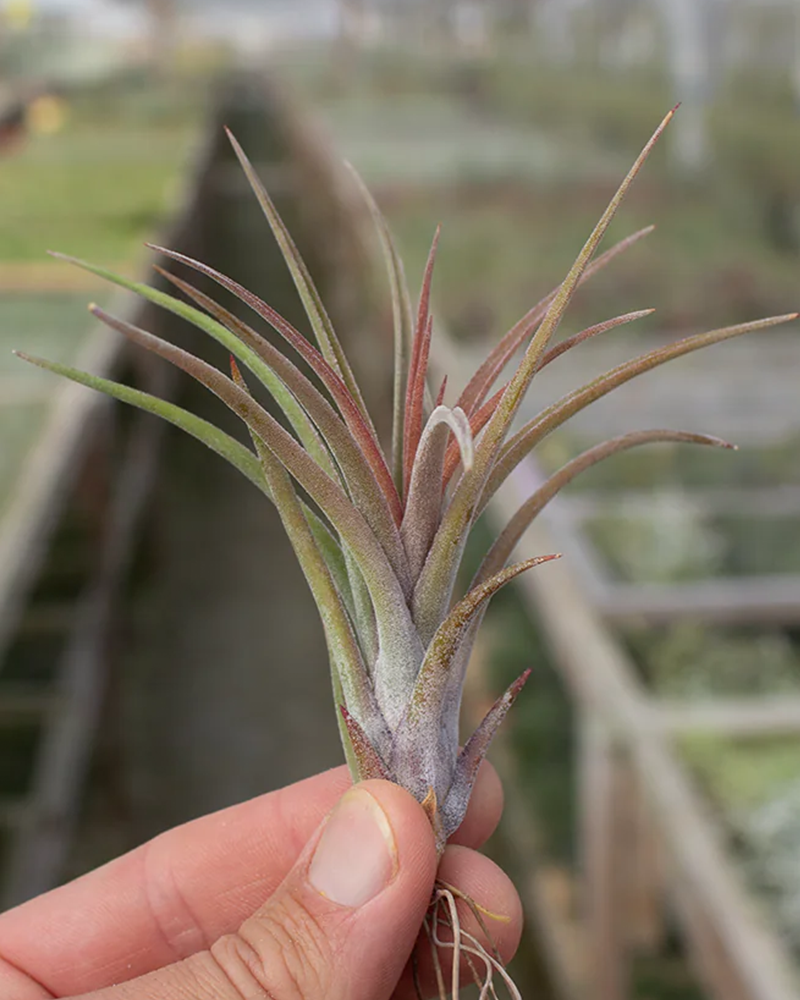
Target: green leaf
(223, 444)
(511, 534)
(402, 323)
(553, 416)
(351, 683)
(361, 430)
(370, 499)
(399, 642)
(244, 352)
(484, 378)
(312, 302)
(358, 474)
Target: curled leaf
(423, 507)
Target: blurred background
(159, 655)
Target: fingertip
(497, 900)
(484, 810)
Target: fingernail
(356, 857)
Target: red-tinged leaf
(395, 626)
(430, 806)
(556, 414)
(472, 756)
(589, 332)
(350, 410)
(413, 431)
(434, 589)
(415, 389)
(236, 374)
(482, 415)
(349, 457)
(370, 762)
(508, 538)
(312, 301)
(483, 379)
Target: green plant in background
(689, 659)
(380, 538)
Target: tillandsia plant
(380, 537)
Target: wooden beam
(751, 600)
(760, 501)
(602, 837)
(548, 891)
(716, 969)
(645, 884)
(736, 717)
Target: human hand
(264, 899)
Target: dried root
(444, 932)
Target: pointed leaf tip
(430, 806)
(521, 681)
(370, 762)
(473, 754)
(236, 373)
(440, 394)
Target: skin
(225, 907)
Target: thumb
(342, 924)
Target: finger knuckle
(280, 955)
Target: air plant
(380, 537)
